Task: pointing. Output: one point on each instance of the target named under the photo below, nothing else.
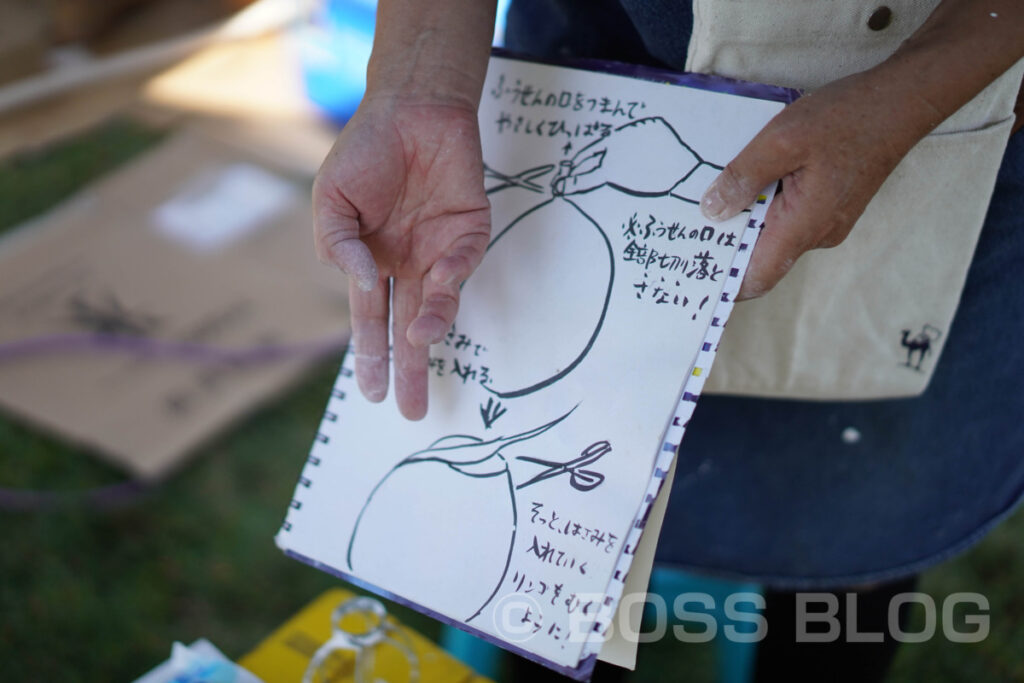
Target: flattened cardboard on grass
(100, 263)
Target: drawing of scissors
(524, 179)
(580, 479)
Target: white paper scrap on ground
(560, 395)
(223, 205)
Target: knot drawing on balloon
(472, 473)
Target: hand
(832, 150)
(399, 205)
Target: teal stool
(479, 655)
(735, 660)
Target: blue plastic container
(334, 48)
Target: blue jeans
(786, 501)
(768, 490)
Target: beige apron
(869, 318)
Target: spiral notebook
(560, 396)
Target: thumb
(760, 163)
(336, 236)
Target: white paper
(515, 507)
(223, 205)
(622, 640)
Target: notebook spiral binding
(677, 427)
(322, 439)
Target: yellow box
(284, 655)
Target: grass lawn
(89, 594)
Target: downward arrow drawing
(491, 412)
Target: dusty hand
(832, 150)
(399, 206)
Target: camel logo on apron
(919, 346)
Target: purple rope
(108, 497)
(129, 492)
(156, 348)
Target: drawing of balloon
(455, 494)
(554, 266)
(414, 530)
(645, 158)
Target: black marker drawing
(920, 344)
(491, 412)
(523, 180)
(579, 478)
(651, 144)
(535, 362)
(473, 504)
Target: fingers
(369, 311)
(410, 360)
(440, 294)
(802, 217)
(437, 312)
(778, 247)
(764, 160)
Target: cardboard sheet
(101, 270)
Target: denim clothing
(787, 500)
(651, 32)
(799, 494)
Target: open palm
(399, 205)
